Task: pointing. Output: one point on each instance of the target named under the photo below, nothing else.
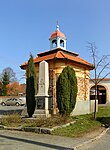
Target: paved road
(16, 140)
(10, 109)
(102, 144)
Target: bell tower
(57, 39)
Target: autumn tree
(22, 88)
(1, 88)
(15, 89)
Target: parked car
(12, 102)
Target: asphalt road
(16, 140)
(102, 144)
(10, 109)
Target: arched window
(101, 94)
(54, 43)
(61, 43)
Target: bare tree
(101, 68)
(11, 74)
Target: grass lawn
(83, 123)
(86, 123)
(103, 115)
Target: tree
(5, 82)
(101, 67)
(10, 73)
(5, 79)
(7, 76)
(22, 89)
(1, 88)
(15, 89)
(31, 86)
(66, 91)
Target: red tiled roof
(105, 79)
(60, 54)
(56, 50)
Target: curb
(43, 130)
(91, 140)
(48, 131)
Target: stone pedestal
(43, 87)
(41, 107)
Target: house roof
(105, 79)
(60, 54)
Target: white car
(12, 102)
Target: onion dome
(57, 33)
(57, 39)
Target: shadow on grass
(104, 120)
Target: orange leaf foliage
(15, 89)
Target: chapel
(58, 57)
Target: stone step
(39, 115)
(39, 111)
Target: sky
(26, 25)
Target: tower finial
(57, 27)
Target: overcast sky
(26, 25)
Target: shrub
(66, 91)
(31, 87)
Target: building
(58, 57)
(103, 91)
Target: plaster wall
(55, 68)
(106, 84)
(84, 107)
(82, 77)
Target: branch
(103, 78)
(92, 48)
(103, 69)
(101, 60)
(90, 78)
(93, 80)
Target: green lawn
(83, 124)
(103, 115)
(86, 123)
